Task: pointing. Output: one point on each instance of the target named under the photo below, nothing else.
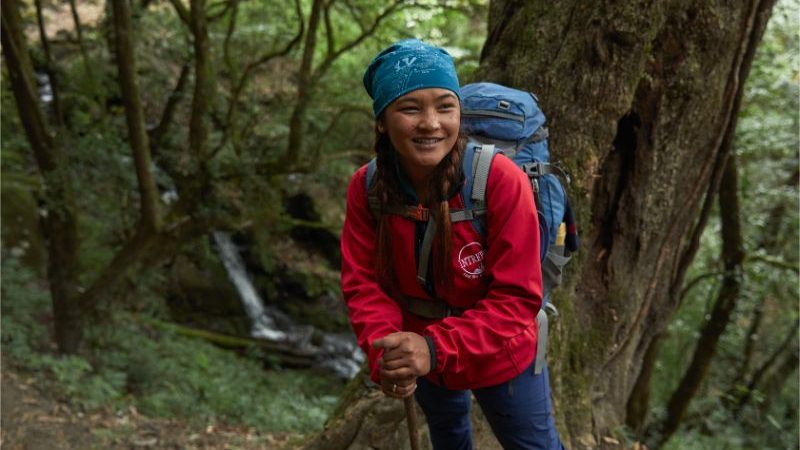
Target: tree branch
(688, 287)
(76, 19)
(330, 59)
(304, 76)
(226, 54)
(168, 114)
(329, 28)
(183, 13)
(49, 66)
(248, 73)
(335, 121)
(20, 74)
(775, 262)
(134, 113)
(791, 338)
(226, 6)
(356, 16)
(198, 125)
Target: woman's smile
(423, 126)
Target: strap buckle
(420, 213)
(535, 169)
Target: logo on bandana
(405, 62)
(470, 259)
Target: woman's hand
(405, 357)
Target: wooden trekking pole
(411, 418)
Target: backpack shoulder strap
(476, 165)
(482, 162)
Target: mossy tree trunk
(641, 99)
(59, 223)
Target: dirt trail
(30, 420)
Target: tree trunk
(732, 257)
(786, 350)
(639, 401)
(641, 99)
(134, 114)
(297, 120)
(59, 222)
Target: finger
(409, 391)
(398, 391)
(402, 350)
(394, 363)
(387, 342)
(403, 375)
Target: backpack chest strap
(428, 309)
(420, 214)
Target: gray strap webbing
(461, 215)
(541, 343)
(481, 175)
(425, 251)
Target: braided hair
(387, 190)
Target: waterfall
(338, 353)
(263, 326)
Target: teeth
(427, 141)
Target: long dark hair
(446, 175)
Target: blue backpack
(500, 119)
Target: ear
(381, 126)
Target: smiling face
(423, 126)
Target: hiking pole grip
(411, 419)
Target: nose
(429, 120)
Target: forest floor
(32, 420)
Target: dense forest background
(173, 179)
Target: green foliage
(23, 332)
(161, 373)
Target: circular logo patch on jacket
(470, 259)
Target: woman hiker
(439, 309)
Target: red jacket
(498, 278)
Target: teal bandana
(406, 66)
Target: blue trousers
(519, 411)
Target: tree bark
(641, 98)
(134, 114)
(59, 222)
(638, 405)
(297, 120)
(732, 257)
(203, 87)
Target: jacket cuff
(432, 351)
